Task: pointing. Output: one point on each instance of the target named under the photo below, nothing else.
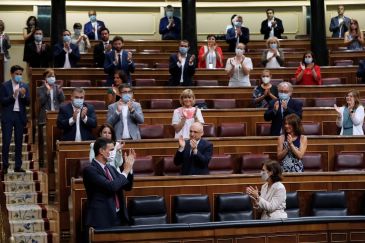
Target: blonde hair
(273, 38)
(187, 93)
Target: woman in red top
(211, 55)
(308, 73)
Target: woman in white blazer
(350, 117)
(272, 199)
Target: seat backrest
(169, 168)
(312, 128)
(292, 205)
(329, 203)
(161, 65)
(144, 166)
(80, 83)
(98, 104)
(232, 129)
(276, 81)
(253, 162)
(151, 51)
(263, 129)
(254, 82)
(191, 209)
(147, 210)
(206, 82)
(209, 130)
(145, 82)
(233, 207)
(141, 65)
(83, 163)
(151, 131)
(303, 100)
(224, 103)
(312, 162)
(292, 64)
(344, 62)
(221, 164)
(161, 103)
(349, 161)
(329, 81)
(324, 102)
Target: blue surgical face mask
(78, 103)
(51, 80)
(92, 18)
(66, 38)
(283, 96)
(273, 46)
(169, 14)
(77, 31)
(237, 24)
(18, 78)
(183, 50)
(126, 97)
(38, 38)
(308, 60)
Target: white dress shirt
(125, 113)
(16, 104)
(71, 121)
(181, 65)
(67, 63)
(95, 26)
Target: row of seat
(147, 210)
(247, 163)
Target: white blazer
(273, 201)
(357, 121)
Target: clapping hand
(129, 58)
(179, 57)
(191, 60)
(83, 112)
(302, 66)
(16, 91)
(337, 109)
(75, 114)
(253, 192)
(289, 138)
(181, 142)
(276, 105)
(284, 104)
(22, 91)
(129, 161)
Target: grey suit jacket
(45, 101)
(133, 119)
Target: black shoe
(19, 170)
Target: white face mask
(239, 52)
(265, 80)
(264, 176)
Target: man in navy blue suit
(194, 155)
(340, 24)
(170, 26)
(104, 187)
(66, 54)
(14, 95)
(182, 66)
(237, 34)
(77, 119)
(282, 107)
(271, 26)
(118, 59)
(92, 28)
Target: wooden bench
(304, 183)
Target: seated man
(282, 107)
(182, 66)
(77, 119)
(125, 115)
(170, 26)
(66, 54)
(93, 27)
(38, 54)
(194, 155)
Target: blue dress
(290, 163)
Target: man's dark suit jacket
(170, 34)
(69, 132)
(277, 118)
(8, 101)
(110, 68)
(99, 55)
(35, 59)
(175, 71)
(101, 209)
(232, 40)
(192, 164)
(361, 71)
(88, 29)
(278, 30)
(59, 55)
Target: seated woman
(113, 94)
(272, 57)
(265, 92)
(350, 117)
(211, 55)
(115, 157)
(292, 144)
(186, 115)
(272, 199)
(238, 68)
(308, 73)
(354, 37)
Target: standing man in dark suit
(104, 187)
(182, 66)
(103, 48)
(14, 96)
(340, 24)
(194, 155)
(37, 53)
(271, 26)
(282, 107)
(66, 54)
(93, 27)
(118, 59)
(237, 34)
(77, 119)
(170, 26)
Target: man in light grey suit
(125, 115)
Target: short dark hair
(125, 85)
(294, 121)
(104, 28)
(100, 143)
(118, 38)
(78, 90)
(47, 71)
(122, 75)
(186, 41)
(270, 9)
(65, 31)
(114, 139)
(211, 35)
(77, 26)
(308, 52)
(38, 29)
(274, 167)
(15, 68)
